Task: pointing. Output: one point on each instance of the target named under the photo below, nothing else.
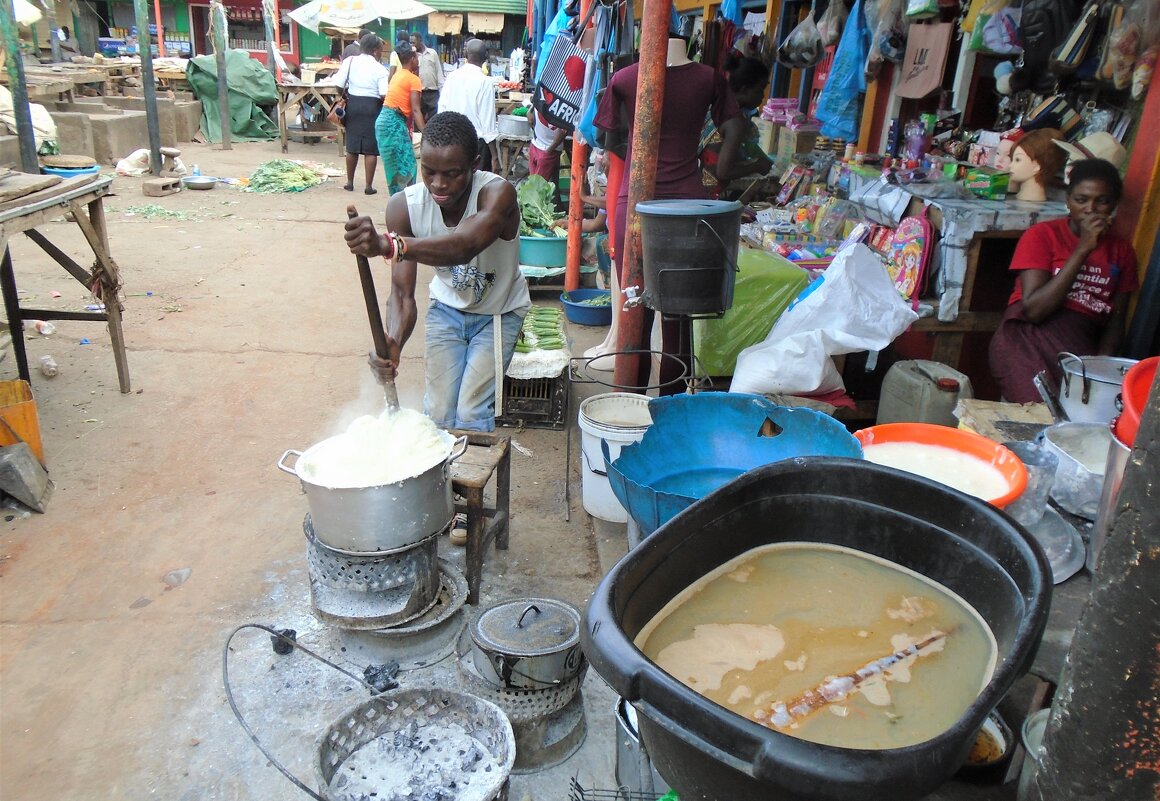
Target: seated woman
(1073, 285)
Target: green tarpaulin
(251, 86)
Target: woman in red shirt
(1073, 286)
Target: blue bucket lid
(690, 207)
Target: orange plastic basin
(967, 442)
(1134, 394)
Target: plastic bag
(921, 9)
(840, 102)
(852, 307)
(997, 29)
(803, 47)
(136, 163)
(764, 286)
(888, 36)
(832, 21)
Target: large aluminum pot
(386, 517)
(1090, 386)
(527, 644)
(1082, 451)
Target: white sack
(43, 125)
(853, 306)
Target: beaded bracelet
(398, 246)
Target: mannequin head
(1035, 161)
(1007, 142)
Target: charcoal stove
(373, 591)
(549, 722)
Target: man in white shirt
(471, 93)
(430, 75)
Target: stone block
(10, 152)
(118, 134)
(187, 119)
(165, 115)
(160, 187)
(74, 132)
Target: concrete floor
(246, 337)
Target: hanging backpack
(909, 256)
(1044, 25)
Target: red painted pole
(160, 28)
(642, 174)
(575, 206)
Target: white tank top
(491, 283)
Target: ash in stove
(435, 762)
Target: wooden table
(84, 197)
(510, 148)
(172, 79)
(291, 94)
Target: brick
(160, 187)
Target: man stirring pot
(464, 223)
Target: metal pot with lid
(1090, 386)
(528, 643)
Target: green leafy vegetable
(281, 175)
(537, 207)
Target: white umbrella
(26, 12)
(355, 13)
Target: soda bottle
(48, 366)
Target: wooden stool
(486, 455)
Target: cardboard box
(767, 136)
(987, 183)
(790, 143)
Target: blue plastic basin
(543, 251)
(699, 443)
(580, 314)
(71, 173)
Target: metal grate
(535, 402)
(578, 793)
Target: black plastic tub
(708, 753)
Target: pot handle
(281, 464)
(1086, 392)
(458, 449)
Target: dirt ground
(170, 525)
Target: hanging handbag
(1054, 112)
(337, 114)
(559, 89)
(1072, 51)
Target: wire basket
(578, 793)
(393, 714)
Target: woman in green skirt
(402, 109)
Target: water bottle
(196, 170)
(48, 366)
(42, 327)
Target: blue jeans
(461, 366)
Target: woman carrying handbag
(364, 81)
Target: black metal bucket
(708, 753)
(689, 255)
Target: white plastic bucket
(619, 418)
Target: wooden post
(18, 85)
(271, 26)
(642, 174)
(145, 49)
(160, 28)
(575, 205)
(1100, 741)
(218, 24)
(53, 38)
